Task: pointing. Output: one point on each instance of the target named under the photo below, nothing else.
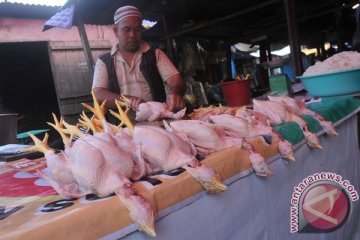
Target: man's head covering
(126, 11)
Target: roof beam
(228, 17)
(276, 26)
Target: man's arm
(101, 91)
(101, 84)
(177, 88)
(171, 76)
(104, 94)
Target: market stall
(251, 208)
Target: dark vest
(147, 67)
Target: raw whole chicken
(162, 151)
(95, 164)
(204, 114)
(111, 133)
(299, 107)
(253, 117)
(210, 138)
(237, 127)
(153, 111)
(166, 151)
(206, 137)
(58, 165)
(257, 118)
(278, 114)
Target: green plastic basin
(333, 84)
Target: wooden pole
(263, 59)
(338, 16)
(318, 51)
(85, 44)
(323, 52)
(268, 49)
(228, 61)
(168, 39)
(296, 61)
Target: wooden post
(323, 52)
(86, 45)
(168, 40)
(338, 16)
(263, 59)
(318, 52)
(296, 61)
(228, 61)
(268, 49)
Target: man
(134, 69)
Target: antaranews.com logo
(321, 202)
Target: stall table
(251, 208)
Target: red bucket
(237, 93)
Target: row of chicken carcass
(110, 158)
(266, 114)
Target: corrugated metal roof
(50, 3)
(230, 20)
(31, 11)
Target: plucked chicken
(238, 127)
(163, 151)
(210, 138)
(204, 113)
(94, 164)
(278, 114)
(299, 107)
(153, 111)
(58, 164)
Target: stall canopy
(232, 21)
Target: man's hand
(175, 102)
(135, 102)
(176, 92)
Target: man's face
(128, 31)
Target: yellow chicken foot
(99, 112)
(72, 130)
(99, 128)
(40, 146)
(123, 117)
(58, 126)
(86, 122)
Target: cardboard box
(280, 85)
